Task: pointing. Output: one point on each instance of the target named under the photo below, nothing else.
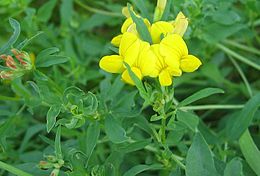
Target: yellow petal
(146, 60)
(173, 44)
(160, 60)
(116, 40)
(129, 47)
(172, 61)
(126, 24)
(112, 64)
(126, 41)
(126, 77)
(190, 63)
(165, 78)
(160, 28)
(174, 71)
(180, 24)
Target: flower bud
(159, 10)
(180, 24)
(45, 165)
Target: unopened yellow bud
(126, 12)
(180, 24)
(161, 4)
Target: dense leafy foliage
(61, 114)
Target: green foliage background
(104, 131)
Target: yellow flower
(144, 64)
(180, 24)
(174, 48)
(165, 70)
(128, 26)
(160, 29)
(136, 53)
(127, 53)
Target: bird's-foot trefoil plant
(138, 88)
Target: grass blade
(250, 151)
(199, 95)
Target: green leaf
(72, 93)
(131, 147)
(167, 11)
(199, 159)
(30, 132)
(92, 138)
(90, 103)
(45, 11)
(27, 41)
(114, 130)
(5, 130)
(13, 170)
(226, 17)
(16, 26)
(199, 95)
(234, 167)
(48, 58)
(189, 119)
(155, 117)
(245, 118)
(141, 168)
(250, 151)
(140, 26)
(52, 114)
(66, 11)
(57, 144)
(20, 89)
(214, 32)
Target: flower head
(135, 53)
(165, 57)
(16, 64)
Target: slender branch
(163, 139)
(174, 157)
(238, 56)
(205, 107)
(6, 98)
(243, 47)
(13, 170)
(91, 9)
(240, 71)
(20, 110)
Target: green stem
(13, 170)
(163, 139)
(205, 107)
(174, 157)
(6, 98)
(103, 12)
(243, 47)
(20, 110)
(238, 56)
(240, 71)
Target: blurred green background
(224, 34)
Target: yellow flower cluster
(166, 57)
